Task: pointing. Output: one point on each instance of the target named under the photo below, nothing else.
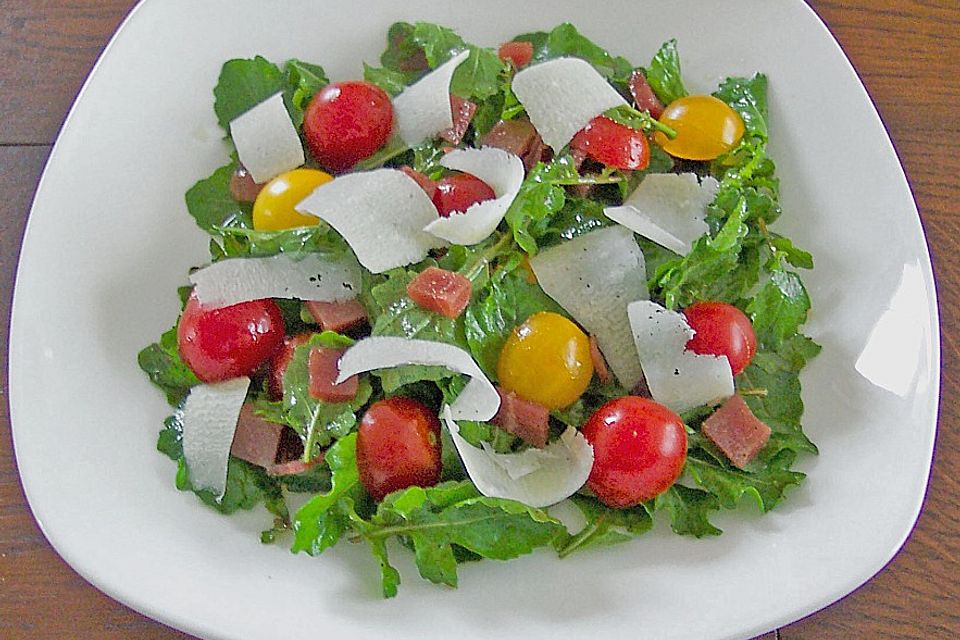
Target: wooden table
(908, 53)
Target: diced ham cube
(324, 368)
(599, 362)
(529, 421)
(736, 431)
(518, 137)
(428, 185)
(262, 442)
(337, 316)
(463, 111)
(440, 291)
(643, 95)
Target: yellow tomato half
(546, 360)
(706, 128)
(274, 209)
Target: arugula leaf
(319, 524)
(664, 75)
(242, 85)
(605, 526)
(318, 422)
(689, 510)
(748, 97)
(303, 80)
(779, 308)
(250, 243)
(566, 41)
(212, 206)
(161, 362)
(541, 196)
(728, 484)
(393, 82)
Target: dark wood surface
(908, 53)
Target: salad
(477, 283)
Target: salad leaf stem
(583, 536)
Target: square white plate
(109, 240)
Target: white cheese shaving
(594, 277)
(423, 109)
(669, 209)
(676, 377)
(381, 214)
(210, 416)
(479, 400)
(537, 477)
(562, 96)
(503, 172)
(267, 142)
(315, 277)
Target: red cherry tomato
(613, 144)
(722, 330)
(516, 52)
(227, 343)
(280, 361)
(346, 122)
(458, 191)
(398, 446)
(639, 448)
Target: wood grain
(908, 53)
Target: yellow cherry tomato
(547, 360)
(273, 209)
(706, 128)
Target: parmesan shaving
(210, 416)
(562, 96)
(594, 277)
(536, 477)
(503, 172)
(267, 142)
(315, 277)
(479, 400)
(669, 209)
(676, 377)
(381, 214)
(423, 109)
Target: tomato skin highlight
(226, 343)
(398, 446)
(274, 208)
(346, 122)
(722, 330)
(706, 128)
(546, 360)
(639, 449)
(613, 144)
(458, 192)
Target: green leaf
(664, 73)
(212, 206)
(250, 243)
(779, 308)
(689, 510)
(766, 485)
(161, 362)
(605, 525)
(748, 97)
(303, 80)
(539, 198)
(393, 82)
(319, 524)
(242, 85)
(318, 422)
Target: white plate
(109, 240)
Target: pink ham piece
(462, 111)
(262, 442)
(337, 316)
(324, 368)
(527, 420)
(292, 467)
(518, 137)
(643, 95)
(736, 431)
(599, 362)
(440, 291)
